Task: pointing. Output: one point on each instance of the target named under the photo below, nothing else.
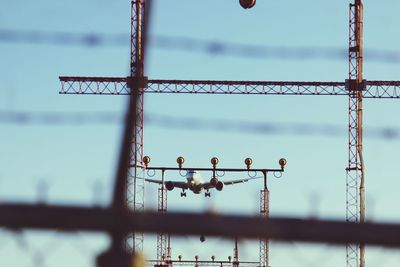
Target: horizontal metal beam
(204, 263)
(382, 89)
(17, 216)
(213, 169)
(118, 86)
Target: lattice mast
(355, 190)
(163, 239)
(135, 199)
(264, 212)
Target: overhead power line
(59, 118)
(191, 124)
(189, 44)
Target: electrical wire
(59, 118)
(189, 44)
(24, 118)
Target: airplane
(195, 183)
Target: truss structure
(264, 212)
(119, 86)
(355, 205)
(355, 88)
(215, 263)
(163, 249)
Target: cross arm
(119, 86)
(382, 89)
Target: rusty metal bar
(64, 218)
(214, 169)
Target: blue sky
(71, 159)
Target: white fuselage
(194, 181)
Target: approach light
(214, 161)
(248, 162)
(282, 162)
(146, 160)
(180, 257)
(246, 4)
(180, 160)
(213, 258)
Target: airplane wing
(182, 185)
(153, 181)
(208, 185)
(232, 182)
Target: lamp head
(248, 162)
(180, 160)
(146, 160)
(282, 162)
(214, 161)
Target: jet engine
(219, 186)
(214, 181)
(169, 185)
(246, 4)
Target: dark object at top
(246, 4)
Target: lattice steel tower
(135, 199)
(355, 88)
(355, 190)
(264, 212)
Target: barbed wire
(191, 123)
(190, 44)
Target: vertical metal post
(264, 212)
(236, 254)
(169, 248)
(355, 189)
(135, 186)
(163, 252)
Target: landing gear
(183, 193)
(207, 194)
